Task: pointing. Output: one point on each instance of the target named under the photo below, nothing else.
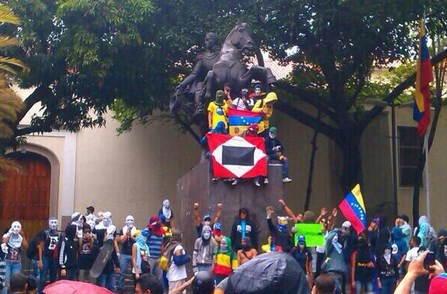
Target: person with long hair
(362, 267)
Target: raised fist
(219, 205)
(196, 205)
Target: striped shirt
(154, 244)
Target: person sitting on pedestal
(275, 150)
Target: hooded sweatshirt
(399, 240)
(226, 259)
(204, 249)
(423, 229)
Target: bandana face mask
(130, 221)
(52, 224)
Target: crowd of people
(255, 101)
(377, 260)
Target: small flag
(353, 208)
(237, 157)
(239, 120)
(424, 75)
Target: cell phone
(429, 260)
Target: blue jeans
(11, 268)
(107, 281)
(367, 285)
(155, 269)
(49, 264)
(35, 268)
(285, 165)
(388, 285)
(125, 260)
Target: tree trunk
(311, 166)
(349, 143)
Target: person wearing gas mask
(126, 238)
(203, 254)
(46, 248)
(166, 214)
(335, 264)
(13, 242)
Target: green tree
(10, 104)
(85, 55)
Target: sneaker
(256, 182)
(234, 182)
(214, 179)
(286, 180)
(266, 181)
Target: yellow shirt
(267, 109)
(218, 113)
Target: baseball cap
(206, 217)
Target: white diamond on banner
(238, 170)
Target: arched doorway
(25, 195)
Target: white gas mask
(130, 221)
(16, 227)
(53, 223)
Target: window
(409, 153)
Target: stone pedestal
(196, 186)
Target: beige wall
(134, 172)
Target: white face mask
(166, 204)
(206, 235)
(52, 224)
(272, 135)
(130, 221)
(16, 227)
(223, 245)
(106, 221)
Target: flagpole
(427, 180)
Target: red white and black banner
(237, 157)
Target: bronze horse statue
(228, 69)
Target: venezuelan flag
(239, 120)
(353, 208)
(424, 75)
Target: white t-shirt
(239, 104)
(412, 254)
(175, 272)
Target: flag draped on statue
(424, 75)
(353, 208)
(239, 120)
(237, 157)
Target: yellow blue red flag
(353, 208)
(424, 75)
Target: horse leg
(259, 73)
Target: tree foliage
(87, 55)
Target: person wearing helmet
(266, 107)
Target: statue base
(196, 186)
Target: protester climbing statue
(213, 70)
